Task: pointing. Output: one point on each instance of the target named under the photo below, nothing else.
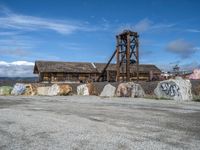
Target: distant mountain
(12, 80)
(19, 78)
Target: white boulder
(130, 89)
(43, 90)
(82, 90)
(87, 89)
(53, 90)
(136, 89)
(108, 91)
(177, 89)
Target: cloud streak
(14, 52)
(193, 30)
(10, 20)
(181, 47)
(146, 25)
(16, 63)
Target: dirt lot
(74, 122)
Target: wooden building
(52, 71)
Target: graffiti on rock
(170, 89)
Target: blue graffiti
(170, 89)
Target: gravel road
(89, 122)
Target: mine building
(53, 71)
(127, 67)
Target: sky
(85, 30)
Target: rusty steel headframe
(127, 52)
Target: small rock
(30, 90)
(53, 90)
(43, 90)
(65, 89)
(91, 89)
(5, 90)
(86, 89)
(123, 90)
(136, 89)
(82, 90)
(108, 91)
(18, 89)
(130, 89)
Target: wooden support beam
(137, 57)
(118, 61)
(128, 58)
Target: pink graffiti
(195, 75)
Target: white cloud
(16, 69)
(16, 63)
(193, 30)
(161, 26)
(181, 47)
(25, 63)
(8, 33)
(143, 25)
(14, 52)
(196, 48)
(10, 20)
(4, 63)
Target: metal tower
(127, 53)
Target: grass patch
(196, 98)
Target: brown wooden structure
(52, 71)
(127, 54)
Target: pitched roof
(72, 67)
(85, 67)
(143, 68)
(101, 66)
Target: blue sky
(84, 31)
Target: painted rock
(195, 75)
(177, 89)
(18, 89)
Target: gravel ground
(74, 122)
